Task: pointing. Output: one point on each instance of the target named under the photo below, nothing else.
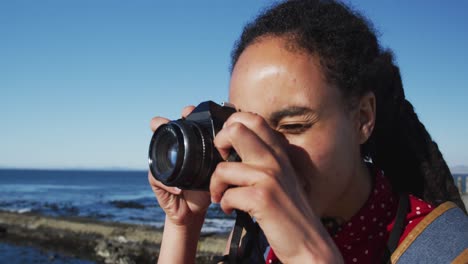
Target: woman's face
(289, 90)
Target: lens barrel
(181, 154)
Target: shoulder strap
(398, 227)
(441, 237)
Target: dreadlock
(353, 60)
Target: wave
(47, 208)
(217, 225)
(23, 210)
(43, 187)
(140, 195)
(20, 211)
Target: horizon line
(73, 168)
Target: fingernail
(177, 189)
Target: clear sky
(80, 80)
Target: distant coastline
(459, 169)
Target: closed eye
(294, 128)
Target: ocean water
(14, 254)
(119, 196)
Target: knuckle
(221, 168)
(261, 197)
(257, 121)
(270, 172)
(226, 203)
(215, 175)
(217, 186)
(236, 128)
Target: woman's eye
(294, 128)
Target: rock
(102, 249)
(52, 257)
(102, 242)
(115, 252)
(122, 239)
(127, 204)
(3, 231)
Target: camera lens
(165, 151)
(181, 155)
(182, 152)
(172, 154)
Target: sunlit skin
(311, 168)
(299, 141)
(288, 89)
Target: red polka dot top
(364, 237)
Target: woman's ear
(366, 116)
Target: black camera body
(182, 153)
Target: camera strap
(238, 252)
(242, 221)
(398, 227)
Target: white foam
(40, 187)
(131, 196)
(23, 210)
(217, 225)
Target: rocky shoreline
(103, 242)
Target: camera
(182, 153)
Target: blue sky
(80, 80)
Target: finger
(187, 110)
(262, 202)
(248, 145)
(157, 122)
(229, 174)
(235, 198)
(276, 214)
(158, 186)
(254, 122)
(275, 140)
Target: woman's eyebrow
(276, 116)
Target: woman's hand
(269, 189)
(182, 207)
(185, 213)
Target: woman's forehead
(267, 77)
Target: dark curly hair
(353, 60)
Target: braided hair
(353, 60)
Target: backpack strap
(441, 237)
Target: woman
(328, 143)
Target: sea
(116, 196)
(112, 196)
